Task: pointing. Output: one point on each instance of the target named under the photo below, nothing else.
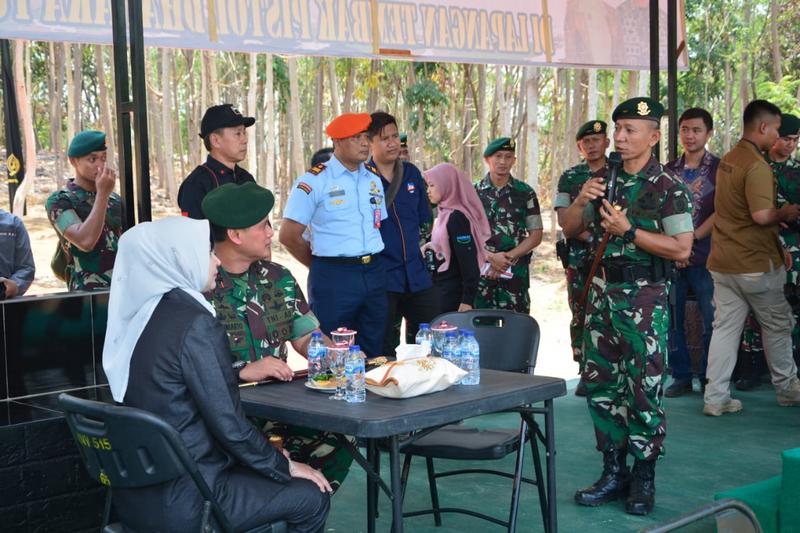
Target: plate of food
(323, 383)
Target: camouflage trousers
(318, 449)
(625, 345)
(511, 294)
(575, 283)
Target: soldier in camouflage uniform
(576, 254)
(516, 224)
(262, 307)
(787, 176)
(87, 215)
(627, 319)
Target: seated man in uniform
(261, 307)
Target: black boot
(643, 488)
(613, 482)
(748, 377)
(580, 390)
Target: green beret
(404, 140)
(501, 143)
(641, 108)
(790, 125)
(237, 206)
(590, 128)
(87, 142)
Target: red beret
(348, 124)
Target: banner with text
(593, 33)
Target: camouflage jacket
(655, 201)
(787, 176)
(260, 310)
(569, 186)
(512, 211)
(71, 205)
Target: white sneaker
(789, 396)
(731, 406)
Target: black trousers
(450, 294)
(416, 307)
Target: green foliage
(783, 94)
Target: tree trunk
(252, 111)
(177, 129)
(632, 90)
(532, 126)
(77, 86)
(26, 124)
(372, 92)
(560, 114)
(644, 78)
(211, 72)
(194, 145)
(70, 93)
(349, 86)
(335, 106)
(153, 66)
(744, 62)
(55, 85)
(591, 96)
(296, 164)
(480, 103)
(503, 128)
(166, 123)
(319, 95)
(469, 100)
(777, 60)
(726, 139)
(269, 126)
(105, 102)
(614, 102)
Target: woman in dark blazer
(165, 352)
(459, 234)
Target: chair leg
(437, 516)
(515, 488)
(107, 509)
(404, 475)
(540, 481)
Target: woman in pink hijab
(459, 234)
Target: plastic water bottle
(450, 349)
(425, 336)
(316, 356)
(471, 359)
(356, 391)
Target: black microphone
(614, 166)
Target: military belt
(616, 273)
(358, 260)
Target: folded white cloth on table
(413, 377)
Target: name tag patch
(463, 239)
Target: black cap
(223, 116)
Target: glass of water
(336, 358)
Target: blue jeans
(700, 280)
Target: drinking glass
(336, 358)
(344, 335)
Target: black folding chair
(125, 448)
(508, 341)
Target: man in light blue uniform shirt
(343, 204)
(16, 260)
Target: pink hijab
(459, 194)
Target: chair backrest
(123, 447)
(508, 340)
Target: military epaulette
(316, 169)
(372, 168)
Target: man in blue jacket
(410, 292)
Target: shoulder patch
(316, 169)
(305, 187)
(372, 169)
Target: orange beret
(348, 124)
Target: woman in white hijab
(166, 353)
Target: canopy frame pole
(131, 113)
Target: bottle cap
(316, 334)
(424, 325)
(355, 348)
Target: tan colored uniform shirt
(745, 184)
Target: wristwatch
(238, 366)
(629, 235)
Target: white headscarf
(153, 258)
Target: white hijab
(153, 258)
